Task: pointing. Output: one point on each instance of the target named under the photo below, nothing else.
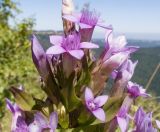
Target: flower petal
(55, 50)
(100, 24)
(40, 120)
(83, 25)
(78, 54)
(114, 74)
(88, 95)
(122, 124)
(88, 45)
(120, 41)
(99, 114)
(56, 40)
(130, 49)
(101, 100)
(53, 121)
(33, 127)
(10, 106)
(116, 60)
(158, 123)
(71, 18)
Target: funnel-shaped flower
(86, 19)
(115, 53)
(117, 44)
(71, 45)
(136, 90)
(143, 121)
(95, 104)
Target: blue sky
(126, 16)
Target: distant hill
(148, 57)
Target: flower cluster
(73, 80)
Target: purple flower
(95, 104)
(126, 71)
(116, 44)
(143, 121)
(71, 45)
(86, 19)
(122, 119)
(16, 112)
(40, 123)
(136, 90)
(115, 53)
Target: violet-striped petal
(88, 45)
(101, 100)
(71, 18)
(55, 50)
(53, 121)
(56, 40)
(21, 125)
(88, 95)
(122, 124)
(78, 54)
(99, 114)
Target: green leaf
(23, 100)
(90, 128)
(85, 117)
(112, 107)
(71, 101)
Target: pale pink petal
(108, 39)
(33, 127)
(88, 95)
(78, 54)
(88, 45)
(122, 124)
(53, 121)
(101, 100)
(99, 114)
(71, 18)
(83, 25)
(158, 123)
(55, 50)
(120, 41)
(116, 60)
(56, 40)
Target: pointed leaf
(23, 100)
